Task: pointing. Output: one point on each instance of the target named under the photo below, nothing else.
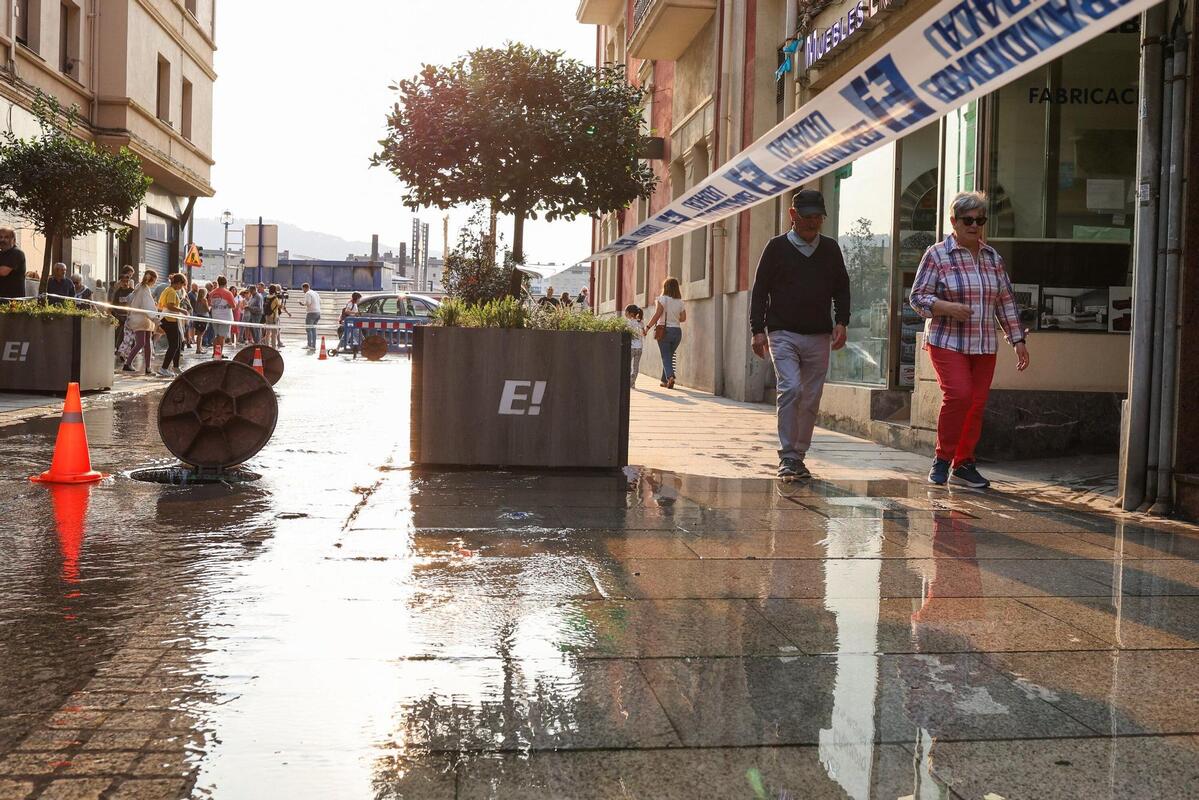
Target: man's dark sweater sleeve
(761, 293)
(841, 291)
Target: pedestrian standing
(633, 318)
(564, 300)
(272, 305)
(189, 328)
(81, 291)
(669, 308)
(963, 289)
(801, 277)
(200, 309)
(143, 320)
(583, 300)
(170, 301)
(220, 307)
(59, 284)
(312, 314)
(121, 293)
(254, 305)
(12, 266)
(345, 334)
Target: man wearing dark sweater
(800, 290)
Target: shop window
(860, 198)
(961, 153)
(918, 211)
(1062, 175)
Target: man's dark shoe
(967, 475)
(939, 473)
(791, 469)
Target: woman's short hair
(964, 202)
(670, 288)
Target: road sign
(193, 257)
(262, 245)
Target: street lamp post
(226, 220)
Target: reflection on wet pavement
(350, 627)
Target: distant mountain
(210, 234)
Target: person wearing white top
(632, 318)
(669, 307)
(312, 314)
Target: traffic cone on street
(216, 351)
(258, 362)
(72, 463)
(323, 356)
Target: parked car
(398, 304)
(402, 307)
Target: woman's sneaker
(939, 473)
(967, 475)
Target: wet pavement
(349, 627)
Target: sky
(301, 98)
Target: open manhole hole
(183, 475)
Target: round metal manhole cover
(374, 347)
(217, 414)
(183, 475)
(272, 361)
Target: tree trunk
(491, 242)
(47, 260)
(518, 254)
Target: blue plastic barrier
(396, 330)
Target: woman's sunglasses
(968, 221)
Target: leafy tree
(63, 186)
(527, 131)
(470, 272)
(865, 264)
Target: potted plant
(45, 347)
(497, 382)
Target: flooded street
(347, 627)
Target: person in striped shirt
(963, 289)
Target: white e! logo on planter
(14, 351)
(516, 392)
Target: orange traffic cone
(72, 462)
(217, 355)
(258, 362)
(323, 354)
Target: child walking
(633, 317)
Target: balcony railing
(664, 29)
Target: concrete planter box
(44, 354)
(520, 398)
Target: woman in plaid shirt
(963, 289)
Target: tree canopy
(62, 185)
(527, 131)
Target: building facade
(140, 73)
(1057, 151)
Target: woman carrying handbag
(669, 307)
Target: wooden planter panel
(497, 397)
(40, 354)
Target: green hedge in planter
(512, 314)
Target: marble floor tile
(555, 541)
(1068, 769)
(1116, 692)
(848, 699)
(521, 704)
(931, 625)
(990, 545)
(1163, 577)
(829, 772)
(1150, 623)
(672, 628)
(1130, 541)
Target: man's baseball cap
(809, 201)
